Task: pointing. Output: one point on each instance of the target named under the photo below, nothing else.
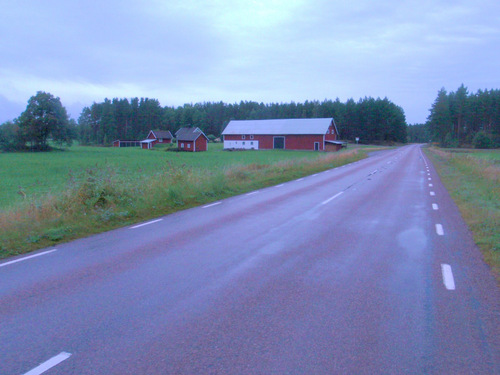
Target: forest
(456, 119)
(463, 119)
(372, 120)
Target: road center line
(331, 198)
(435, 206)
(211, 205)
(26, 258)
(448, 280)
(439, 229)
(47, 365)
(143, 224)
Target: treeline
(372, 120)
(463, 119)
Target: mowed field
(47, 198)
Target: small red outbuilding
(191, 139)
(160, 136)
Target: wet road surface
(368, 268)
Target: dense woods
(456, 119)
(372, 120)
(463, 119)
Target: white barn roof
(279, 127)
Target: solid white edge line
(211, 205)
(300, 179)
(143, 224)
(448, 279)
(54, 361)
(439, 229)
(280, 185)
(435, 206)
(331, 198)
(26, 258)
(252, 193)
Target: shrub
(483, 140)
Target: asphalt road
(364, 269)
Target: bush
(450, 141)
(483, 140)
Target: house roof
(189, 134)
(280, 127)
(164, 134)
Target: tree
(44, 118)
(10, 137)
(440, 118)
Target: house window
(160, 140)
(316, 146)
(182, 145)
(243, 143)
(242, 137)
(189, 145)
(251, 137)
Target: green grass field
(46, 198)
(39, 174)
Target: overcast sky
(192, 51)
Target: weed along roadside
(473, 180)
(96, 197)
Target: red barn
(160, 136)
(191, 139)
(318, 134)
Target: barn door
(279, 142)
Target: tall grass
(473, 180)
(100, 198)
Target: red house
(191, 139)
(319, 134)
(160, 136)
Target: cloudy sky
(192, 51)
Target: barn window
(160, 140)
(251, 137)
(243, 137)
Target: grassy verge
(473, 180)
(98, 197)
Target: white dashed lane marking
(432, 193)
(149, 222)
(439, 229)
(435, 206)
(448, 279)
(26, 258)
(47, 365)
(211, 205)
(331, 198)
